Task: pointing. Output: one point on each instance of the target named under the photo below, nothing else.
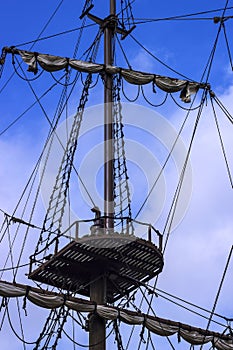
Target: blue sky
(199, 245)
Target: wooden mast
(110, 25)
(97, 325)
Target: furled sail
(159, 326)
(52, 63)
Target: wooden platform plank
(125, 261)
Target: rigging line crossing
(228, 46)
(209, 64)
(20, 76)
(121, 189)
(159, 60)
(170, 153)
(68, 75)
(47, 23)
(192, 137)
(223, 108)
(11, 244)
(157, 291)
(63, 314)
(221, 142)
(80, 322)
(29, 108)
(133, 328)
(140, 305)
(171, 215)
(67, 161)
(31, 215)
(123, 52)
(46, 93)
(22, 195)
(79, 37)
(129, 14)
(142, 341)
(57, 34)
(14, 267)
(34, 172)
(210, 60)
(153, 347)
(66, 84)
(190, 310)
(27, 229)
(20, 322)
(118, 337)
(219, 290)
(3, 304)
(87, 346)
(67, 169)
(47, 329)
(154, 291)
(185, 19)
(123, 9)
(182, 16)
(47, 117)
(36, 40)
(10, 254)
(22, 291)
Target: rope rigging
(158, 59)
(56, 35)
(227, 44)
(168, 157)
(64, 300)
(152, 290)
(185, 17)
(208, 67)
(29, 108)
(118, 337)
(121, 186)
(221, 141)
(33, 42)
(127, 18)
(87, 346)
(53, 328)
(176, 195)
(52, 128)
(57, 201)
(58, 198)
(21, 338)
(172, 211)
(219, 290)
(52, 226)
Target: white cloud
(142, 61)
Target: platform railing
(98, 228)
